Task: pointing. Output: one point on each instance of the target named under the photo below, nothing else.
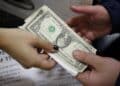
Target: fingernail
(55, 48)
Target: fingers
(40, 43)
(87, 40)
(44, 62)
(31, 58)
(84, 37)
(90, 10)
(84, 77)
(90, 59)
(77, 20)
(73, 22)
(89, 35)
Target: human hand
(93, 21)
(23, 46)
(103, 71)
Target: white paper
(13, 74)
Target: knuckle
(34, 37)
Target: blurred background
(12, 12)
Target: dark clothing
(113, 8)
(118, 81)
(9, 21)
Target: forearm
(2, 37)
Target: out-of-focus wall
(61, 7)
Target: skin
(103, 70)
(92, 21)
(23, 46)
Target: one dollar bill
(47, 25)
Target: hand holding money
(23, 45)
(48, 26)
(101, 71)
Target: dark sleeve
(113, 8)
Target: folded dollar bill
(47, 25)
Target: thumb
(47, 46)
(84, 77)
(90, 59)
(90, 10)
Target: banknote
(48, 26)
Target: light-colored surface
(13, 74)
(60, 7)
(22, 13)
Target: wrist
(2, 37)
